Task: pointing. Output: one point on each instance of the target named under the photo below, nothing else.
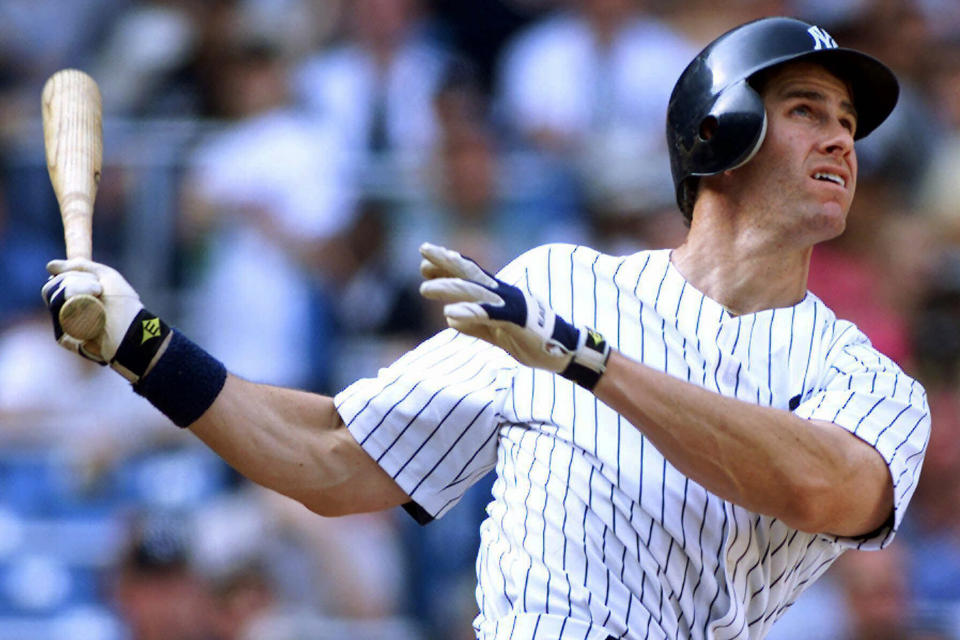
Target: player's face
(805, 172)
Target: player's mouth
(834, 176)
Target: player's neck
(741, 269)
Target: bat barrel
(73, 140)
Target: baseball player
(685, 467)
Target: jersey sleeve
(431, 419)
(867, 394)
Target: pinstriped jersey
(591, 532)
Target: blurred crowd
(271, 167)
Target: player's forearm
(813, 476)
(295, 443)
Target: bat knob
(82, 317)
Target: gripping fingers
(79, 283)
(71, 283)
(56, 267)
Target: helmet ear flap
(731, 131)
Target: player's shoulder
(843, 341)
(835, 332)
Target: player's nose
(837, 138)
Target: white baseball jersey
(591, 533)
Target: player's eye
(801, 110)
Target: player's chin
(829, 220)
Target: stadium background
(270, 167)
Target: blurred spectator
(165, 57)
(264, 201)
(592, 84)
(933, 531)
(378, 85)
(467, 196)
(943, 16)
(701, 20)
(479, 30)
(146, 46)
(376, 295)
(25, 247)
(356, 562)
(866, 595)
(156, 592)
(877, 597)
(474, 196)
(625, 225)
(297, 26)
(940, 191)
(820, 613)
(241, 597)
(475, 201)
(92, 423)
(442, 566)
(259, 546)
(37, 37)
(936, 326)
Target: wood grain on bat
(73, 140)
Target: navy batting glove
(479, 304)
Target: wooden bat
(73, 139)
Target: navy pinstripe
(592, 533)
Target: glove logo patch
(594, 339)
(151, 329)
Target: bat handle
(82, 316)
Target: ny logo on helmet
(821, 39)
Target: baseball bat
(73, 140)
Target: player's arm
(815, 476)
(295, 443)
(290, 441)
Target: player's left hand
(479, 304)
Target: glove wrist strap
(589, 359)
(139, 346)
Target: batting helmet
(716, 120)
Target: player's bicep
(363, 486)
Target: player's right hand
(131, 335)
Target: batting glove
(131, 335)
(479, 304)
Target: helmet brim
(873, 86)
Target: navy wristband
(184, 382)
